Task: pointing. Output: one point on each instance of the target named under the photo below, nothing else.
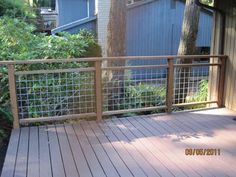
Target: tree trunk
(187, 46)
(116, 47)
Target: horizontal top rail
(94, 59)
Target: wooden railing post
(98, 88)
(13, 96)
(170, 85)
(221, 82)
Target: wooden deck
(135, 146)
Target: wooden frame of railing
(98, 83)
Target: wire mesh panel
(134, 88)
(55, 94)
(190, 84)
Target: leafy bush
(15, 9)
(200, 95)
(144, 95)
(19, 42)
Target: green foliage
(207, 2)
(16, 9)
(145, 95)
(200, 95)
(19, 42)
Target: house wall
(158, 31)
(229, 7)
(73, 10)
(154, 28)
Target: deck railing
(60, 89)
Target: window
(45, 3)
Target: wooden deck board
(55, 153)
(45, 167)
(80, 160)
(33, 157)
(124, 154)
(10, 159)
(67, 156)
(22, 154)
(137, 146)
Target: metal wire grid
(190, 84)
(133, 89)
(55, 94)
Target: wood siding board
(229, 50)
(10, 159)
(232, 68)
(233, 57)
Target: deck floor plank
(33, 156)
(67, 156)
(104, 159)
(173, 167)
(163, 147)
(133, 148)
(147, 149)
(173, 152)
(10, 159)
(217, 160)
(80, 160)
(138, 146)
(92, 160)
(118, 164)
(119, 147)
(177, 140)
(55, 153)
(22, 154)
(45, 167)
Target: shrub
(19, 42)
(144, 95)
(200, 95)
(16, 9)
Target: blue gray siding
(154, 28)
(73, 10)
(74, 15)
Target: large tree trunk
(187, 46)
(116, 47)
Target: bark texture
(116, 47)
(187, 46)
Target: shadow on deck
(136, 146)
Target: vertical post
(98, 88)
(170, 85)
(221, 82)
(13, 97)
